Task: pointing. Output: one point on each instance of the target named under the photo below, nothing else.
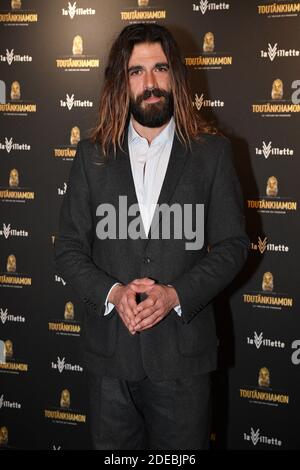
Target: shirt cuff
(108, 305)
(177, 308)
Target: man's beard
(152, 114)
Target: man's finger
(143, 280)
(150, 320)
(149, 302)
(145, 313)
(127, 322)
(140, 287)
(132, 303)
(124, 318)
(126, 311)
(130, 315)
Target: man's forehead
(147, 51)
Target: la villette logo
(273, 52)
(255, 437)
(62, 366)
(263, 245)
(205, 6)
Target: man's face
(151, 99)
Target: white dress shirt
(148, 165)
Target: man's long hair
(115, 97)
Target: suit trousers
(146, 414)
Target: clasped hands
(138, 317)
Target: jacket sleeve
(73, 246)
(226, 237)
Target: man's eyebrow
(134, 68)
(162, 64)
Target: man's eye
(134, 72)
(162, 68)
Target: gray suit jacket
(176, 347)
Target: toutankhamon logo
(274, 52)
(210, 58)
(143, 13)
(279, 10)
(201, 102)
(280, 100)
(263, 393)
(70, 102)
(10, 57)
(67, 152)
(7, 231)
(12, 277)
(258, 340)
(268, 298)
(17, 105)
(65, 414)
(17, 16)
(79, 60)
(8, 363)
(206, 6)
(68, 326)
(73, 10)
(271, 201)
(255, 437)
(61, 366)
(267, 150)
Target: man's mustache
(153, 92)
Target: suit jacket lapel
(123, 179)
(178, 159)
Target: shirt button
(146, 260)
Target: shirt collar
(164, 136)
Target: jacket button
(146, 260)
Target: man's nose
(150, 81)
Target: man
(149, 333)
